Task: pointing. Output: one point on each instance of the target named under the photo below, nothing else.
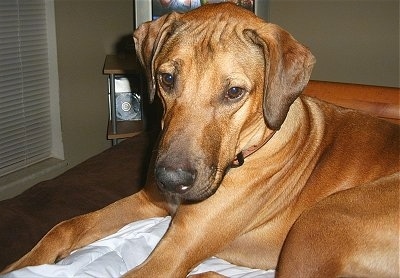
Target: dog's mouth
(192, 196)
(179, 189)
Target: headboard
(378, 101)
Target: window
(29, 113)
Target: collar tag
(239, 159)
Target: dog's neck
(292, 121)
(239, 159)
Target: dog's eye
(167, 80)
(234, 92)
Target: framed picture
(161, 7)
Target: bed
(119, 172)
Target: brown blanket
(95, 183)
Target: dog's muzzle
(175, 180)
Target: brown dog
(250, 171)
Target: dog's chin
(193, 195)
(198, 196)
(205, 188)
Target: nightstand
(125, 96)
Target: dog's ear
(288, 66)
(148, 38)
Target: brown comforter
(101, 180)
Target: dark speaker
(128, 106)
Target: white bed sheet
(114, 255)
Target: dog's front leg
(82, 230)
(197, 232)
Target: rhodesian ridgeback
(251, 171)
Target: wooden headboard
(379, 101)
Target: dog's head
(226, 79)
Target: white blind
(25, 126)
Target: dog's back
(361, 214)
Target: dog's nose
(175, 180)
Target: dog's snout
(175, 180)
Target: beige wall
(87, 30)
(354, 41)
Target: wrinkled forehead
(208, 41)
